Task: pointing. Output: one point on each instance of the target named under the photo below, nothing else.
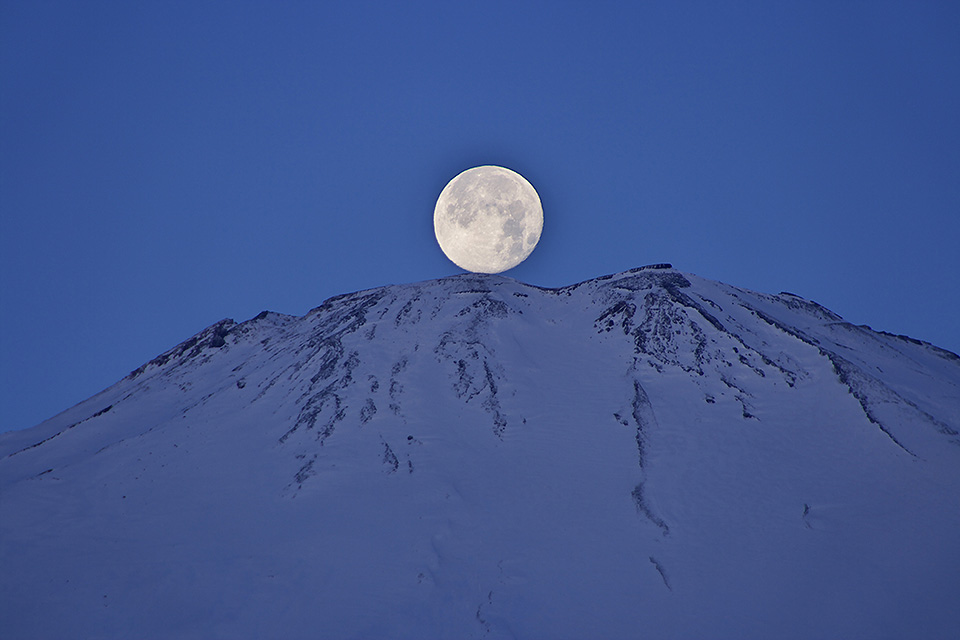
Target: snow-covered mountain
(648, 454)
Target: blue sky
(164, 165)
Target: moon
(488, 219)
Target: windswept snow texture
(648, 454)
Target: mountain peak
(475, 456)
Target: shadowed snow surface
(648, 454)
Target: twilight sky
(164, 165)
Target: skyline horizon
(469, 274)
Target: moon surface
(488, 219)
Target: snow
(644, 454)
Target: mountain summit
(647, 454)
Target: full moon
(488, 219)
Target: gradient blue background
(164, 165)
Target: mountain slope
(649, 453)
